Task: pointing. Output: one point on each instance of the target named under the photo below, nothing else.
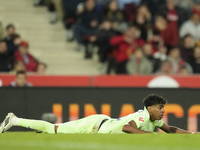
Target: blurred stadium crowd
(14, 54)
(138, 37)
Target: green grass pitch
(161, 141)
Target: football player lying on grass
(142, 121)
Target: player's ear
(149, 108)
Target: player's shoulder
(139, 113)
(142, 115)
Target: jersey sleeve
(159, 123)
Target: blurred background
(96, 37)
(82, 57)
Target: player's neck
(150, 116)
(152, 119)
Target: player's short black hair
(154, 99)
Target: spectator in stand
(196, 8)
(38, 3)
(153, 6)
(116, 17)
(52, 10)
(143, 26)
(58, 10)
(23, 55)
(10, 29)
(156, 40)
(167, 31)
(104, 35)
(102, 4)
(6, 62)
(185, 4)
(161, 54)
(139, 64)
(195, 61)
(143, 9)
(20, 80)
(130, 11)
(175, 15)
(12, 39)
(122, 3)
(187, 47)
(14, 43)
(165, 68)
(148, 52)
(176, 61)
(101, 39)
(19, 66)
(54, 7)
(41, 68)
(71, 10)
(88, 23)
(125, 45)
(184, 71)
(1, 31)
(192, 27)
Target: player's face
(156, 112)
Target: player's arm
(172, 129)
(131, 127)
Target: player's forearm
(130, 129)
(179, 131)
